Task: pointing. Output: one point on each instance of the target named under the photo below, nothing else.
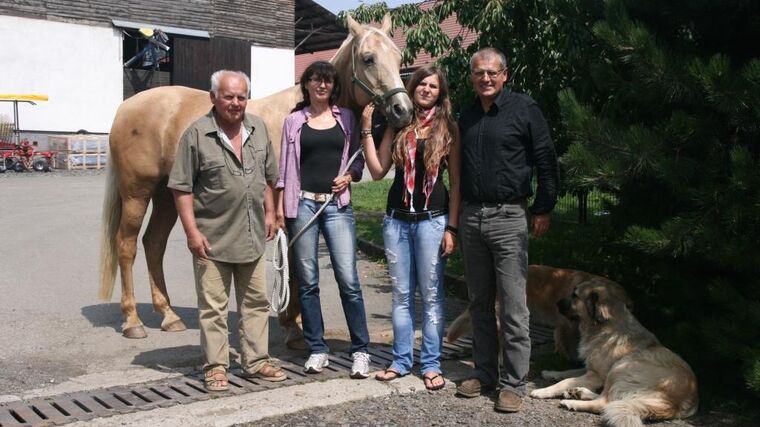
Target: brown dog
(639, 378)
(545, 288)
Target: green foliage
(546, 43)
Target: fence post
(583, 207)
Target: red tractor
(22, 157)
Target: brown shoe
(508, 401)
(472, 387)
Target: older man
(222, 180)
(504, 138)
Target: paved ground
(57, 337)
(55, 328)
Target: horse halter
(377, 99)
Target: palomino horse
(143, 141)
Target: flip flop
(394, 374)
(429, 382)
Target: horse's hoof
(134, 332)
(298, 344)
(175, 326)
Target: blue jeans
(338, 228)
(414, 258)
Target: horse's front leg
(162, 220)
(133, 212)
(290, 319)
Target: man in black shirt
(504, 137)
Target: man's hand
(198, 244)
(539, 224)
(270, 222)
(279, 222)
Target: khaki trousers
(212, 284)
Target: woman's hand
(367, 116)
(342, 182)
(448, 243)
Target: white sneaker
(360, 368)
(316, 362)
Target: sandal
(384, 375)
(268, 372)
(430, 380)
(216, 380)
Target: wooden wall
(195, 59)
(267, 23)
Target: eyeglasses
(490, 73)
(317, 82)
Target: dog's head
(597, 300)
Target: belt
(495, 204)
(317, 197)
(414, 216)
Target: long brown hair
(442, 129)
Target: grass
(567, 244)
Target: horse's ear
(387, 24)
(354, 27)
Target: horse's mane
(345, 46)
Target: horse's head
(373, 61)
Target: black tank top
(439, 198)
(321, 151)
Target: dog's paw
(574, 393)
(541, 393)
(567, 404)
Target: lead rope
(281, 289)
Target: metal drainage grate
(82, 406)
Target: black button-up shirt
(500, 148)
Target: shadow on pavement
(109, 314)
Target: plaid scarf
(409, 168)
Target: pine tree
(673, 131)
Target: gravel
(443, 408)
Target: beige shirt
(228, 195)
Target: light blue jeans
(414, 258)
(339, 229)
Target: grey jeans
(494, 241)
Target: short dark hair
(489, 52)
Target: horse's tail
(461, 326)
(108, 228)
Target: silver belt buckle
(320, 197)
